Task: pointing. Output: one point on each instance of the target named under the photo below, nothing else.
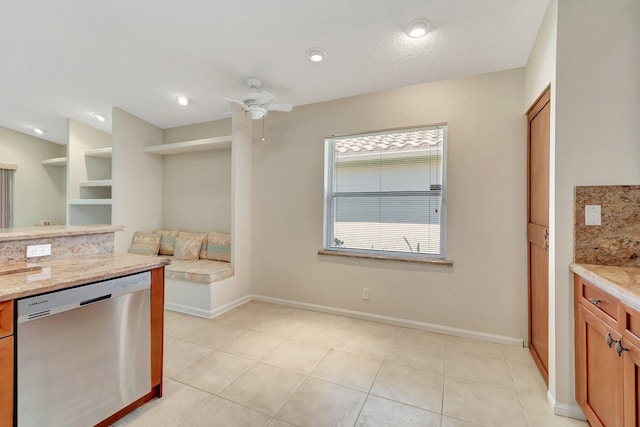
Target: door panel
(540, 305)
(538, 230)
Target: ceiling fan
(256, 102)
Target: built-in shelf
(217, 143)
(99, 152)
(97, 183)
(57, 161)
(88, 202)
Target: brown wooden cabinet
(6, 363)
(607, 346)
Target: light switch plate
(593, 215)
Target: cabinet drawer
(598, 301)
(6, 318)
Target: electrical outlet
(38, 250)
(365, 293)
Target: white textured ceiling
(69, 58)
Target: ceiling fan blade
(264, 97)
(279, 107)
(236, 101)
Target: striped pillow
(167, 241)
(218, 247)
(144, 244)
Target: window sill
(385, 257)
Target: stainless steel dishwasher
(83, 353)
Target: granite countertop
(621, 282)
(10, 234)
(68, 272)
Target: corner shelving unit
(89, 174)
(57, 161)
(217, 143)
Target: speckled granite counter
(28, 233)
(68, 272)
(621, 282)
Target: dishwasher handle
(92, 300)
(42, 305)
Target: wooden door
(598, 370)
(539, 132)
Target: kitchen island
(79, 256)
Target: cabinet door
(157, 328)
(6, 318)
(6, 381)
(598, 371)
(631, 384)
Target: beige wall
(539, 73)
(137, 177)
(485, 289)
(197, 186)
(597, 131)
(40, 190)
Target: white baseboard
(207, 314)
(565, 409)
(499, 339)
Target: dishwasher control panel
(43, 305)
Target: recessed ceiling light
(183, 100)
(99, 117)
(38, 131)
(418, 28)
(316, 54)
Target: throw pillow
(188, 248)
(167, 241)
(203, 236)
(218, 247)
(145, 244)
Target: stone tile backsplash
(617, 240)
(61, 247)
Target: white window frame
(329, 196)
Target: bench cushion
(199, 271)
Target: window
(7, 172)
(385, 192)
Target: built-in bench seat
(198, 271)
(200, 279)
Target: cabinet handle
(594, 301)
(609, 340)
(620, 348)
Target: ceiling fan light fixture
(256, 111)
(316, 54)
(183, 100)
(418, 28)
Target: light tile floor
(267, 365)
